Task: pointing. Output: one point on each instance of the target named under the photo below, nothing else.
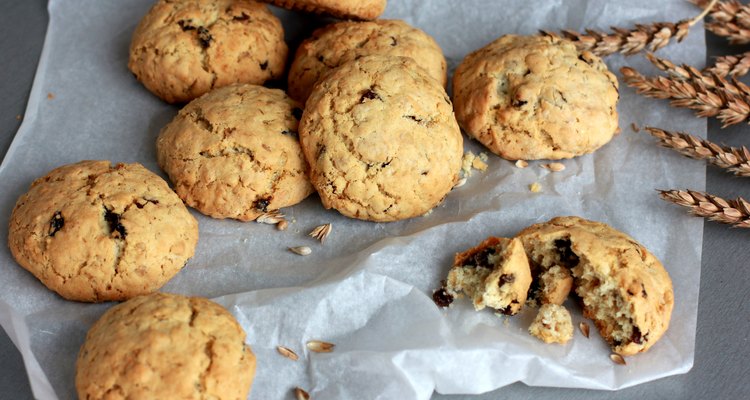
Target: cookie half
(165, 346)
(536, 97)
(346, 41)
(235, 152)
(91, 231)
(182, 49)
(381, 140)
(346, 9)
(493, 274)
(624, 289)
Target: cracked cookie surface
(235, 152)
(536, 97)
(95, 232)
(381, 139)
(183, 49)
(341, 42)
(165, 346)
(346, 9)
(624, 289)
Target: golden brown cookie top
(182, 49)
(624, 288)
(347, 9)
(381, 139)
(235, 153)
(165, 346)
(341, 42)
(536, 97)
(92, 231)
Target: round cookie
(536, 97)
(381, 140)
(346, 9)
(183, 49)
(625, 290)
(165, 346)
(341, 42)
(493, 274)
(234, 152)
(95, 232)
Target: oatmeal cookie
(381, 139)
(183, 49)
(536, 97)
(347, 9)
(235, 153)
(624, 289)
(95, 232)
(493, 274)
(165, 346)
(341, 42)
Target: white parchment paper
(368, 288)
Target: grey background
(721, 369)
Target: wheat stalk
(734, 212)
(734, 159)
(709, 96)
(653, 36)
(733, 65)
(730, 19)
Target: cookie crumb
(479, 164)
(635, 127)
(535, 187)
(466, 163)
(50, 96)
(428, 212)
(552, 324)
(18, 117)
(521, 164)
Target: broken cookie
(552, 324)
(493, 274)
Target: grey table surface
(722, 365)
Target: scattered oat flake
(460, 183)
(479, 164)
(584, 327)
(522, 164)
(321, 232)
(287, 352)
(301, 250)
(50, 96)
(554, 167)
(301, 394)
(320, 346)
(617, 359)
(535, 188)
(282, 225)
(271, 217)
(635, 127)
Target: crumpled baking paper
(368, 288)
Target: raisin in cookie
(493, 274)
(338, 43)
(624, 289)
(536, 97)
(552, 324)
(347, 9)
(234, 152)
(183, 49)
(165, 346)
(95, 232)
(381, 140)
